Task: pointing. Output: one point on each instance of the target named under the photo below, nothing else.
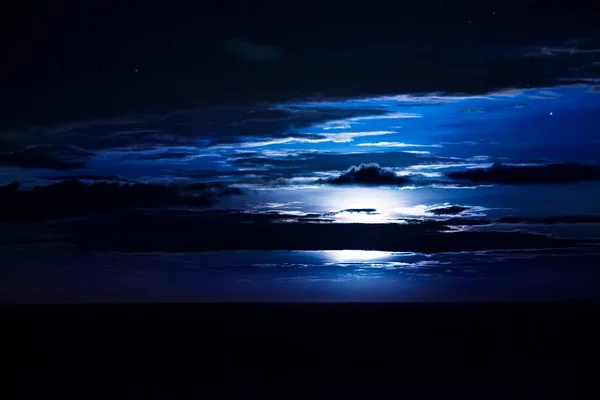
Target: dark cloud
(46, 156)
(197, 127)
(509, 174)
(268, 115)
(266, 180)
(449, 210)
(210, 174)
(349, 53)
(211, 230)
(220, 230)
(573, 49)
(213, 188)
(594, 89)
(88, 177)
(534, 161)
(74, 198)
(158, 156)
(368, 174)
(522, 105)
(461, 221)
(472, 110)
(560, 219)
(315, 220)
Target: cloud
(252, 52)
(74, 198)
(159, 156)
(258, 142)
(522, 105)
(594, 89)
(124, 122)
(396, 115)
(396, 144)
(547, 51)
(539, 161)
(509, 174)
(273, 182)
(89, 177)
(368, 174)
(212, 188)
(203, 127)
(472, 110)
(226, 230)
(560, 219)
(346, 137)
(221, 174)
(323, 161)
(268, 115)
(479, 158)
(348, 123)
(45, 156)
(467, 142)
(375, 65)
(544, 94)
(451, 210)
(323, 115)
(343, 137)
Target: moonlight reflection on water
(356, 256)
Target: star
(551, 113)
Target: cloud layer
(74, 198)
(551, 173)
(53, 157)
(220, 230)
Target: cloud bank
(74, 198)
(213, 231)
(510, 174)
(56, 157)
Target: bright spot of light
(419, 210)
(361, 217)
(382, 200)
(348, 256)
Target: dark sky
(69, 60)
(449, 128)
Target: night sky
(272, 151)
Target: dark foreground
(374, 350)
